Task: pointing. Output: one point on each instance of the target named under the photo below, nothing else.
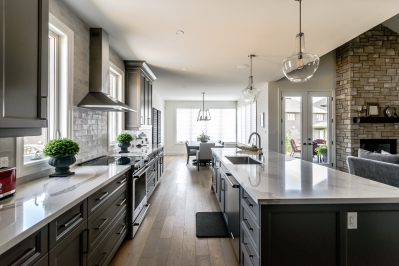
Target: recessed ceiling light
(242, 66)
(185, 69)
(180, 32)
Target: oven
(152, 176)
(139, 204)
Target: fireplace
(376, 145)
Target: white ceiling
(220, 34)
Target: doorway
(307, 126)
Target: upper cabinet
(24, 67)
(138, 90)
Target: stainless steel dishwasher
(232, 210)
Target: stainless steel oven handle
(139, 173)
(231, 183)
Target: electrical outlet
(4, 162)
(352, 220)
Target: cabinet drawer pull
(29, 253)
(248, 225)
(102, 224)
(248, 251)
(122, 202)
(76, 217)
(248, 202)
(121, 231)
(103, 196)
(122, 181)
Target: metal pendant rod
(300, 27)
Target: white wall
(323, 80)
(159, 103)
(171, 148)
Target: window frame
(120, 84)
(65, 92)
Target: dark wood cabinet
(72, 250)
(28, 251)
(138, 91)
(24, 67)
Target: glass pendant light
(250, 93)
(203, 115)
(300, 66)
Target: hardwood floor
(167, 235)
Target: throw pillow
(388, 158)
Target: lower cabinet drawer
(72, 250)
(108, 246)
(28, 251)
(99, 198)
(251, 227)
(43, 261)
(66, 223)
(248, 249)
(101, 222)
(253, 207)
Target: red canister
(7, 181)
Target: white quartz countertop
(143, 151)
(38, 202)
(282, 179)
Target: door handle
(304, 144)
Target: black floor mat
(210, 224)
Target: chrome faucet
(260, 152)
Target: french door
(307, 126)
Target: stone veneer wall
(367, 69)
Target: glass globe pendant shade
(300, 66)
(203, 115)
(250, 93)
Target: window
(291, 116)
(59, 101)
(115, 118)
(222, 126)
(319, 117)
(246, 121)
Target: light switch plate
(352, 220)
(4, 162)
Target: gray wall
(323, 80)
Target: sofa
(383, 168)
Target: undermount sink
(242, 160)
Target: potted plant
(62, 153)
(124, 140)
(203, 138)
(322, 152)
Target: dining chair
(190, 152)
(204, 154)
(295, 149)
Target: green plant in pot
(62, 153)
(322, 151)
(124, 140)
(203, 138)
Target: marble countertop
(143, 151)
(282, 179)
(38, 202)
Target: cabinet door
(149, 103)
(72, 250)
(142, 99)
(159, 127)
(24, 63)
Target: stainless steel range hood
(98, 97)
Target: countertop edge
(22, 236)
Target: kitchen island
(293, 212)
(48, 216)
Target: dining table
(194, 145)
